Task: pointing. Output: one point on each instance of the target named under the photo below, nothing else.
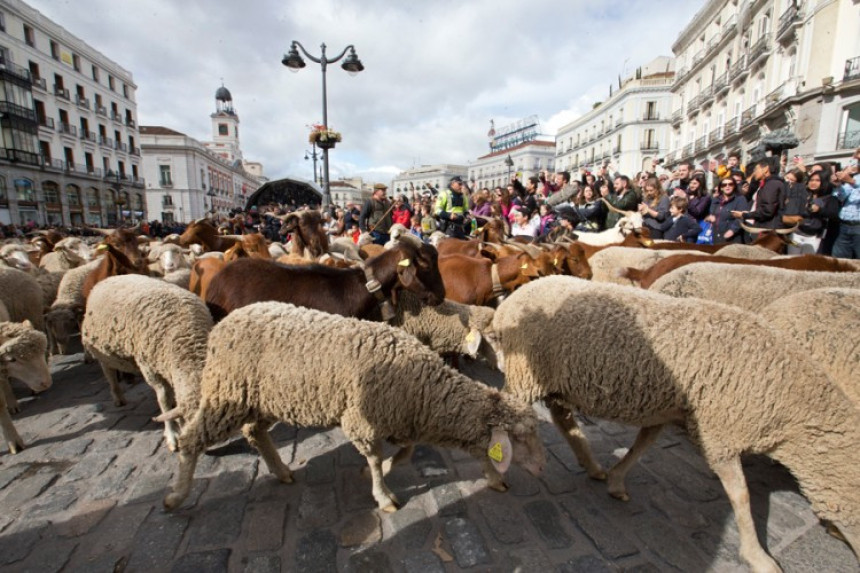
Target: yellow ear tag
(470, 338)
(555, 262)
(525, 266)
(495, 452)
(403, 263)
(102, 247)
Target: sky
(436, 71)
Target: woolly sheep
(62, 321)
(260, 369)
(68, 253)
(740, 251)
(166, 258)
(745, 286)
(143, 325)
(824, 322)
(16, 256)
(22, 296)
(180, 278)
(626, 364)
(607, 264)
(22, 356)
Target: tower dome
(223, 94)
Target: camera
(660, 161)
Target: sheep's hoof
(390, 508)
(834, 531)
(14, 408)
(620, 495)
(285, 477)
(598, 475)
(16, 446)
(119, 402)
(500, 486)
(172, 501)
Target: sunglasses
(727, 185)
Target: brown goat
(309, 239)
(204, 233)
(468, 280)
(649, 276)
(770, 241)
(113, 263)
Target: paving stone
(448, 500)
(145, 445)
(643, 568)
(527, 559)
(557, 479)
(429, 462)
(318, 508)
(687, 484)
(566, 457)
(91, 466)
(263, 564)
(147, 488)
(28, 485)
(550, 435)
(16, 543)
(521, 482)
(107, 563)
(320, 470)
(586, 564)
(369, 562)
(723, 549)
(210, 561)
(503, 519)
(51, 560)
(356, 490)
(117, 530)
(361, 529)
(422, 562)
(816, 550)
(547, 520)
(217, 523)
(677, 510)
(609, 540)
(660, 538)
(110, 443)
(10, 473)
(82, 517)
(53, 501)
(466, 542)
(409, 526)
(70, 449)
(316, 552)
(235, 482)
(156, 541)
(349, 456)
(264, 525)
(112, 482)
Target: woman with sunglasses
(727, 229)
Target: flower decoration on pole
(323, 137)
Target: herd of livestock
(749, 350)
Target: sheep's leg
(10, 434)
(494, 478)
(731, 474)
(618, 472)
(566, 423)
(192, 443)
(403, 455)
(166, 402)
(257, 434)
(11, 404)
(372, 450)
(113, 381)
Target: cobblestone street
(86, 496)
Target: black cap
(455, 179)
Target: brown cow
(469, 280)
(649, 276)
(347, 292)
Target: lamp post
(352, 65)
(510, 163)
(211, 195)
(120, 201)
(313, 155)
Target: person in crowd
(567, 219)
(768, 199)
(452, 208)
(796, 197)
(847, 244)
(624, 198)
(547, 219)
(684, 228)
(504, 198)
(428, 221)
(481, 203)
(698, 198)
(727, 229)
(415, 226)
(561, 190)
(402, 212)
(591, 209)
(524, 224)
(815, 218)
(655, 209)
(375, 216)
(681, 176)
(527, 194)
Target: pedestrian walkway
(86, 496)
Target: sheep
(63, 319)
(763, 397)
(16, 256)
(22, 356)
(68, 253)
(372, 379)
(745, 286)
(824, 322)
(741, 251)
(180, 278)
(166, 258)
(144, 325)
(22, 295)
(608, 264)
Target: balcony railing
(17, 111)
(693, 106)
(101, 110)
(706, 97)
(57, 164)
(40, 83)
(115, 116)
(789, 17)
(88, 136)
(739, 70)
(10, 154)
(134, 151)
(670, 159)
(748, 117)
(680, 74)
(121, 146)
(9, 68)
(730, 127)
(105, 141)
(731, 25)
(716, 135)
(721, 84)
(649, 146)
(129, 122)
(677, 116)
(702, 143)
(712, 43)
(61, 92)
(698, 57)
(773, 99)
(848, 140)
(67, 129)
(47, 122)
(852, 69)
(688, 150)
(760, 49)
(82, 101)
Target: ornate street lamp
(211, 195)
(313, 155)
(293, 60)
(510, 163)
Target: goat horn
(788, 231)
(615, 209)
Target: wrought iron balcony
(677, 116)
(688, 151)
(88, 136)
(787, 21)
(82, 101)
(101, 110)
(649, 146)
(731, 25)
(739, 70)
(702, 143)
(760, 50)
(61, 92)
(67, 129)
(40, 83)
(47, 122)
(18, 111)
(730, 127)
(748, 117)
(18, 73)
(105, 141)
(115, 116)
(721, 84)
(716, 135)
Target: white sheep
(68, 253)
(165, 258)
(607, 265)
(180, 278)
(144, 325)
(629, 362)
(22, 295)
(63, 319)
(630, 222)
(826, 324)
(741, 251)
(272, 362)
(22, 356)
(746, 286)
(16, 256)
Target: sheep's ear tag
(500, 451)
(648, 243)
(473, 342)
(525, 266)
(102, 247)
(555, 262)
(403, 263)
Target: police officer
(452, 207)
(375, 216)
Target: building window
(92, 197)
(125, 90)
(164, 176)
(73, 195)
(29, 36)
(2, 22)
(55, 50)
(95, 73)
(223, 129)
(51, 192)
(76, 62)
(24, 190)
(167, 200)
(4, 196)
(111, 83)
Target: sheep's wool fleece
(606, 263)
(444, 327)
(740, 251)
(745, 286)
(133, 320)
(311, 368)
(826, 324)
(28, 342)
(622, 354)
(22, 296)
(70, 291)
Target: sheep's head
(16, 256)
(22, 353)
(631, 222)
(61, 324)
(515, 439)
(75, 250)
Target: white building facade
(70, 145)
(427, 178)
(746, 68)
(629, 130)
(524, 160)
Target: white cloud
(435, 72)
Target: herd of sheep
(747, 358)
